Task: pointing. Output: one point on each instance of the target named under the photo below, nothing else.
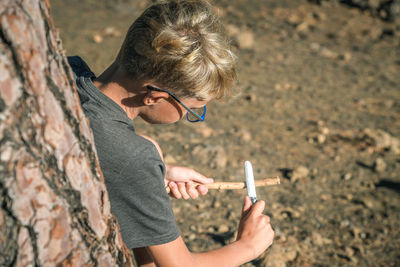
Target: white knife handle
(251, 188)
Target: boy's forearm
(234, 254)
(176, 254)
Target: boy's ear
(153, 97)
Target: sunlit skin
(255, 233)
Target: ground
(318, 104)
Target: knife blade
(251, 187)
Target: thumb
(199, 178)
(246, 205)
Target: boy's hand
(180, 181)
(255, 231)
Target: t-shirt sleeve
(140, 202)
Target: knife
(251, 188)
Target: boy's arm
(255, 234)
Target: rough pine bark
(54, 204)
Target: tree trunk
(54, 205)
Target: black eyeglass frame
(200, 118)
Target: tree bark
(54, 205)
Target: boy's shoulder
(79, 67)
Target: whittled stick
(238, 185)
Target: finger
(246, 204)
(182, 190)
(192, 190)
(199, 178)
(258, 207)
(203, 190)
(174, 190)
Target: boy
(173, 61)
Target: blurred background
(318, 105)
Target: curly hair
(182, 46)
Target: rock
(324, 130)
(382, 140)
(286, 87)
(349, 251)
(347, 176)
(302, 27)
(380, 165)
(97, 38)
(321, 138)
(299, 173)
(111, 31)
(245, 135)
(327, 53)
(245, 39)
(294, 19)
(223, 228)
(317, 239)
(315, 47)
(216, 204)
(280, 255)
(192, 237)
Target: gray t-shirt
(132, 168)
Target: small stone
(325, 52)
(325, 197)
(347, 56)
(294, 19)
(111, 31)
(97, 38)
(302, 27)
(245, 39)
(315, 47)
(317, 239)
(245, 136)
(324, 130)
(192, 237)
(349, 251)
(281, 255)
(299, 173)
(223, 228)
(193, 227)
(380, 165)
(344, 223)
(347, 176)
(216, 204)
(382, 140)
(321, 138)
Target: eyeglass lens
(199, 111)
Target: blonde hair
(180, 45)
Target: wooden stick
(238, 185)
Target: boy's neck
(115, 84)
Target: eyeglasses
(193, 115)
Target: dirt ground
(318, 105)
